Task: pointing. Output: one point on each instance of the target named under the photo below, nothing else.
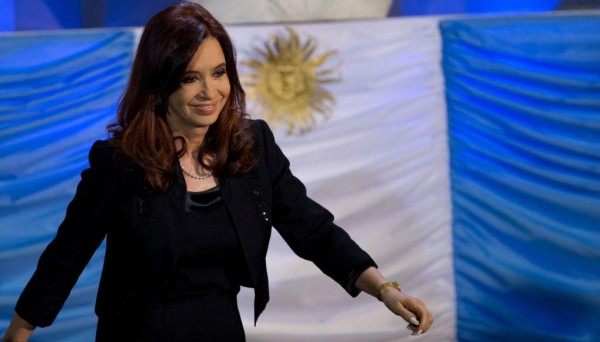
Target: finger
(423, 316)
(413, 323)
(417, 332)
(407, 315)
(425, 321)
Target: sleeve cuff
(355, 273)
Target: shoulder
(269, 152)
(256, 125)
(262, 132)
(101, 155)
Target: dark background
(24, 15)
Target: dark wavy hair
(168, 43)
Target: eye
(219, 73)
(187, 79)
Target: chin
(209, 121)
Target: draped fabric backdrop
(524, 123)
(58, 93)
(521, 236)
(380, 164)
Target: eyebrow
(192, 71)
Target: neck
(194, 138)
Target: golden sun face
(286, 82)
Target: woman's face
(204, 89)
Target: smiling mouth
(206, 108)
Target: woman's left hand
(412, 309)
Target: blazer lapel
(242, 210)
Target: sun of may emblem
(285, 84)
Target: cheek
(226, 94)
(178, 99)
(171, 102)
(225, 89)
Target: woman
(185, 193)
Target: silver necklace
(195, 175)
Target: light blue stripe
(523, 100)
(59, 92)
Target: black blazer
(141, 229)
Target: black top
(200, 303)
(211, 255)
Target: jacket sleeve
(306, 226)
(77, 238)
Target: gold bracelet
(380, 288)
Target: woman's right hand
(19, 330)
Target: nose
(206, 90)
